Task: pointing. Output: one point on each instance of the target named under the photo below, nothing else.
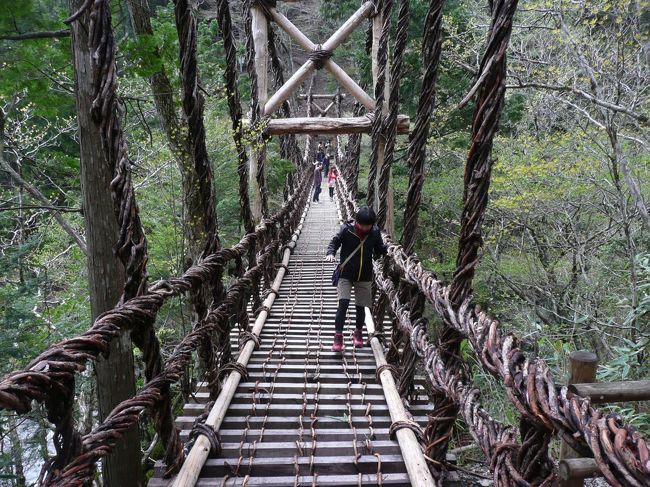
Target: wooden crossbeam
(306, 69)
(329, 125)
(322, 96)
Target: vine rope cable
(191, 469)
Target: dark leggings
(331, 192)
(339, 321)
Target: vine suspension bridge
(275, 406)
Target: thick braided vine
(385, 8)
(431, 51)
(477, 179)
(193, 109)
(288, 144)
(498, 441)
(234, 106)
(390, 122)
(621, 453)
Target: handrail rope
(53, 367)
(103, 438)
(174, 367)
(498, 441)
(623, 456)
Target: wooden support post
(260, 40)
(337, 139)
(583, 367)
(195, 460)
(377, 26)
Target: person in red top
(331, 181)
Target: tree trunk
(176, 132)
(16, 454)
(115, 377)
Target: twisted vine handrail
(621, 453)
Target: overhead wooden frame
(285, 91)
(323, 111)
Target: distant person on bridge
(360, 240)
(326, 163)
(318, 179)
(331, 181)
(320, 154)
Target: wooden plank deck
(305, 416)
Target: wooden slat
(309, 380)
(392, 479)
(186, 422)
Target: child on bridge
(360, 240)
(332, 175)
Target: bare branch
(36, 35)
(643, 119)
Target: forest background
(566, 263)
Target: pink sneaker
(338, 346)
(357, 339)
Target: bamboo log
(328, 125)
(605, 392)
(195, 460)
(583, 367)
(291, 85)
(332, 43)
(577, 469)
(416, 465)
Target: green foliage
(40, 68)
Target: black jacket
(359, 267)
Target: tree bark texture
(115, 377)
